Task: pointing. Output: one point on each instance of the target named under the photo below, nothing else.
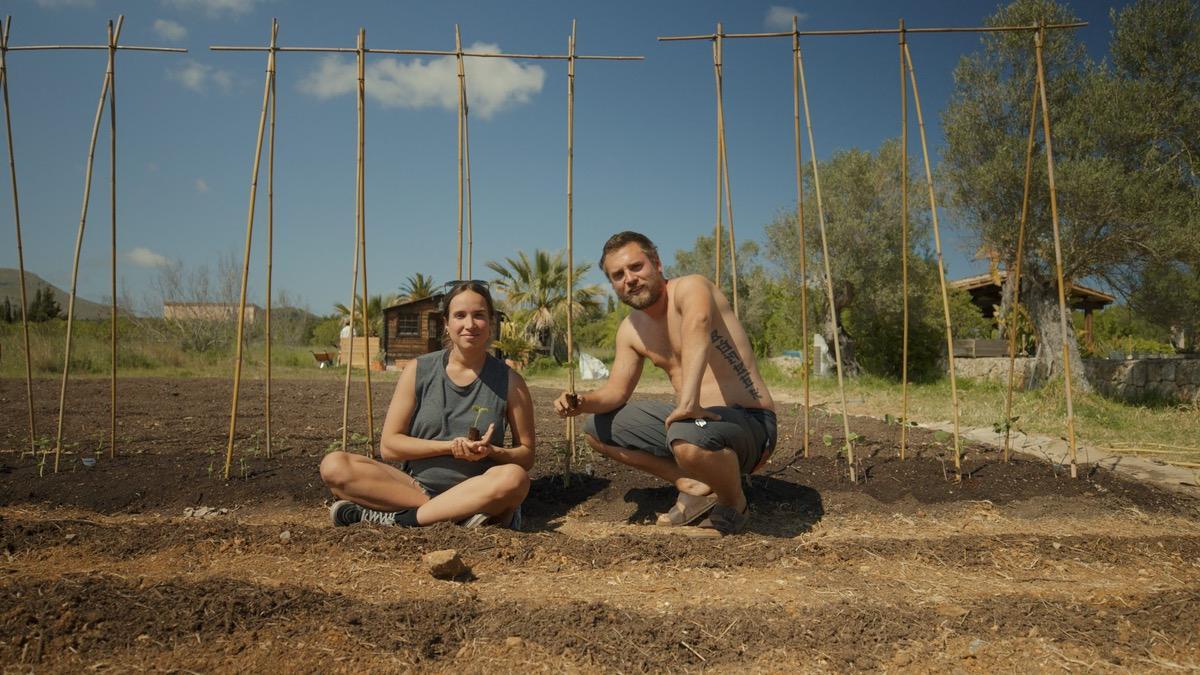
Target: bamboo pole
(720, 227)
(114, 34)
(904, 242)
(879, 31)
(350, 352)
(112, 122)
(571, 243)
(937, 241)
(241, 318)
(806, 345)
(362, 227)
(467, 171)
(1038, 39)
(833, 316)
(12, 172)
(270, 233)
(1015, 308)
(462, 94)
(464, 176)
(723, 153)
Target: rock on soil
(446, 564)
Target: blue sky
(644, 131)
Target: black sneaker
(345, 512)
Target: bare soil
(1017, 567)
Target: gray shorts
(640, 425)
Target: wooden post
(114, 34)
(904, 243)
(112, 138)
(804, 371)
(270, 230)
(1038, 39)
(837, 349)
(241, 318)
(570, 242)
(1015, 308)
(937, 241)
(12, 172)
(362, 228)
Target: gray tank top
(445, 411)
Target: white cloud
(214, 8)
(198, 77)
(144, 257)
(170, 30)
(492, 84)
(779, 18)
(201, 185)
(60, 4)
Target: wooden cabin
(415, 327)
(986, 294)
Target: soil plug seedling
(473, 432)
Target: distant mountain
(10, 287)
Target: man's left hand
(690, 412)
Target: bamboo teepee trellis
(1039, 30)
(107, 94)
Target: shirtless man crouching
(723, 422)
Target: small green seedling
(1004, 425)
(473, 433)
(827, 439)
(941, 436)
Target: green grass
(1099, 421)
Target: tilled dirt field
(1017, 568)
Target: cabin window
(408, 325)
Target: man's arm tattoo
(727, 350)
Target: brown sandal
(726, 520)
(687, 509)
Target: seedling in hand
(473, 432)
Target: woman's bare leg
(497, 491)
(370, 483)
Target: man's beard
(643, 298)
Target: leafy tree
(375, 306)
(7, 313)
(862, 198)
(1115, 200)
(44, 307)
(535, 296)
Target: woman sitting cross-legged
(446, 476)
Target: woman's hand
(473, 451)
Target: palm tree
(375, 306)
(417, 287)
(535, 294)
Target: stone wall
(1162, 378)
(994, 368)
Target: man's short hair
(620, 239)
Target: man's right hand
(568, 404)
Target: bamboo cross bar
(1038, 39)
(12, 172)
(874, 31)
(434, 52)
(106, 89)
